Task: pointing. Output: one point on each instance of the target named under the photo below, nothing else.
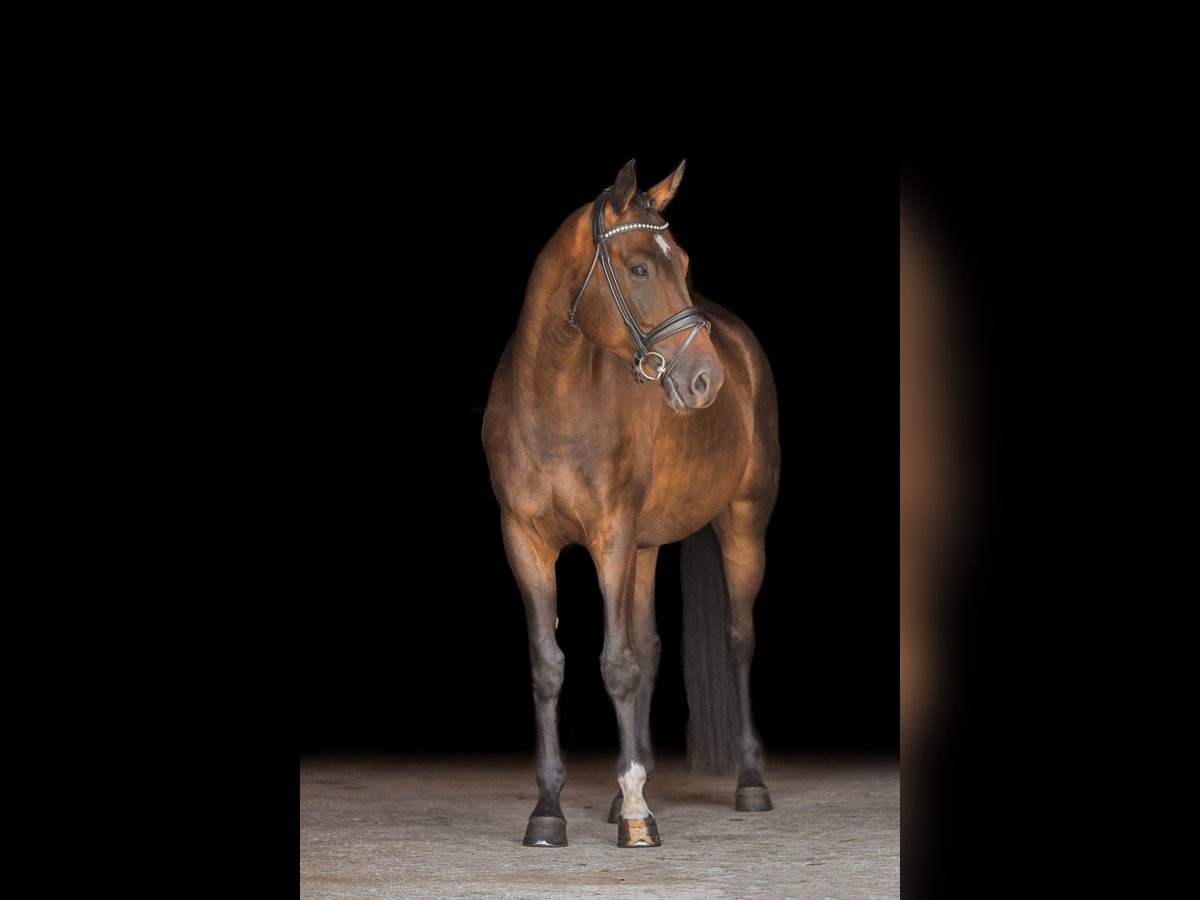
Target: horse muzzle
(694, 388)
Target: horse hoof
(640, 832)
(546, 831)
(614, 811)
(752, 799)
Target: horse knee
(620, 671)
(549, 666)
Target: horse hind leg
(743, 552)
(533, 566)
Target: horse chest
(577, 486)
(573, 489)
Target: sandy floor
(452, 827)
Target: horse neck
(553, 360)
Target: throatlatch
(643, 341)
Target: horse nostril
(700, 384)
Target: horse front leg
(647, 650)
(532, 564)
(616, 563)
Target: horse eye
(640, 272)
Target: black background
(410, 628)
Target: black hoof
(640, 832)
(614, 811)
(752, 799)
(546, 831)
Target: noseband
(643, 341)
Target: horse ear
(662, 192)
(624, 187)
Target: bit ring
(662, 366)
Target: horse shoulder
(738, 343)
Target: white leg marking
(663, 245)
(632, 782)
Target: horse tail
(712, 730)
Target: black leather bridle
(643, 341)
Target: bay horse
(582, 453)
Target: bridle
(643, 341)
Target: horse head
(641, 308)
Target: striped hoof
(642, 832)
(614, 811)
(546, 831)
(752, 799)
